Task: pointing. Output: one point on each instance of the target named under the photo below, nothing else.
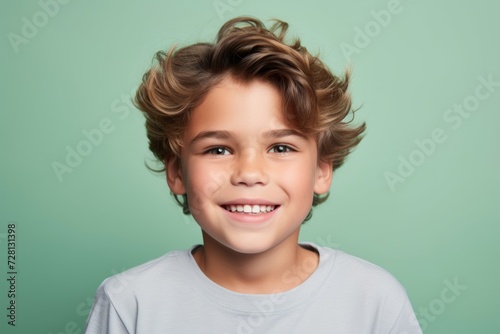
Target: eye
(217, 151)
(281, 149)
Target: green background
(110, 213)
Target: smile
(250, 209)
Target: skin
(238, 149)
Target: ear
(324, 174)
(175, 178)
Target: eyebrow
(273, 134)
(280, 133)
(211, 134)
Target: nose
(249, 169)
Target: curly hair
(315, 101)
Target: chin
(250, 247)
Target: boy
(250, 130)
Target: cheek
(204, 183)
(205, 180)
(299, 176)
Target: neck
(281, 268)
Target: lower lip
(250, 218)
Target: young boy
(250, 130)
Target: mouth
(254, 209)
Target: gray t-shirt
(171, 294)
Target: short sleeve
(406, 322)
(103, 317)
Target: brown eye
(217, 151)
(281, 149)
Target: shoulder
(352, 276)
(359, 271)
(361, 286)
(145, 279)
(366, 271)
(120, 297)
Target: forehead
(238, 106)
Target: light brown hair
(315, 101)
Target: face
(249, 177)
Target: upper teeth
(249, 208)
